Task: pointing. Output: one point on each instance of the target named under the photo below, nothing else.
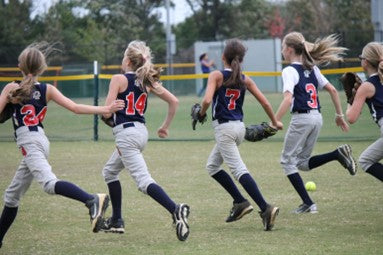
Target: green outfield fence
(60, 124)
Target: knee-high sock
(376, 170)
(115, 198)
(7, 217)
(322, 159)
(70, 190)
(251, 188)
(297, 182)
(227, 183)
(158, 194)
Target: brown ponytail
(234, 53)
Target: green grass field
(350, 207)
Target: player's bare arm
(339, 120)
(173, 102)
(117, 84)
(54, 94)
(285, 105)
(4, 94)
(215, 78)
(256, 92)
(366, 90)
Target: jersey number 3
(234, 95)
(30, 118)
(313, 102)
(139, 105)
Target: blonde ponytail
(32, 63)
(140, 57)
(322, 52)
(373, 52)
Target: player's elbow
(351, 118)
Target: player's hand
(340, 122)
(278, 125)
(162, 132)
(116, 105)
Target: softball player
(29, 101)
(131, 136)
(371, 92)
(301, 81)
(226, 91)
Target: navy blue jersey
(32, 112)
(228, 101)
(305, 96)
(135, 102)
(204, 68)
(375, 103)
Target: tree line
(87, 30)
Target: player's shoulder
(118, 77)
(10, 86)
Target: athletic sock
(158, 194)
(6, 220)
(251, 188)
(376, 170)
(115, 198)
(227, 183)
(322, 159)
(297, 182)
(70, 190)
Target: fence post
(95, 124)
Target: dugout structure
(262, 56)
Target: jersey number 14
(138, 106)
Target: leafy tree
(15, 29)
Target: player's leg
(370, 157)
(240, 205)
(130, 143)
(19, 185)
(228, 137)
(294, 142)
(35, 157)
(111, 170)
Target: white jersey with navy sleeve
(304, 85)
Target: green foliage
(15, 29)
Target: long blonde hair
(373, 52)
(32, 63)
(321, 52)
(140, 57)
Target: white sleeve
(290, 78)
(322, 81)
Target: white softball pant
(228, 137)
(299, 142)
(374, 152)
(130, 143)
(35, 148)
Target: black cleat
(113, 226)
(346, 159)
(97, 207)
(303, 208)
(268, 217)
(239, 210)
(180, 220)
